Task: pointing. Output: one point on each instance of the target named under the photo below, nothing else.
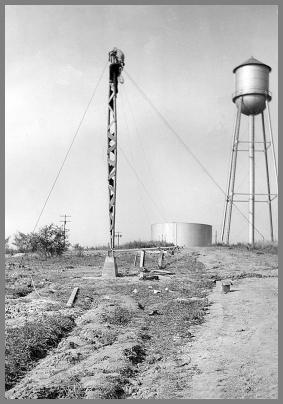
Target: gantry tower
(116, 64)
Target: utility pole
(118, 235)
(65, 221)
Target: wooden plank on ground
(161, 272)
(72, 297)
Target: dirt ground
(236, 349)
(187, 340)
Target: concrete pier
(110, 269)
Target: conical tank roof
(252, 61)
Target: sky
(182, 58)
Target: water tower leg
(252, 180)
(232, 176)
(229, 180)
(272, 144)
(267, 178)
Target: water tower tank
(252, 84)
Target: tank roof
(252, 61)
(201, 224)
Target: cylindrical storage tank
(252, 85)
(182, 234)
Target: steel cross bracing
(252, 195)
(116, 59)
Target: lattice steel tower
(251, 98)
(116, 64)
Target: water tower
(251, 98)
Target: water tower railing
(252, 91)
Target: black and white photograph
(141, 202)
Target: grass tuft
(119, 316)
(26, 345)
(19, 291)
(145, 244)
(136, 354)
(70, 389)
(113, 389)
(261, 246)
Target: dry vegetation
(261, 247)
(117, 332)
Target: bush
(23, 242)
(50, 240)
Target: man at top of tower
(118, 55)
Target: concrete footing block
(110, 269)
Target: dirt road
(235, 351)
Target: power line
(143, 150)
(138, 178)
(185, 145)
(69, 148)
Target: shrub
(50, 240)
(23, 242)
(8, 249)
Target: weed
(267, 247)
(79, 250)
(71, 389)
(247, 275)
(19, 291)
(135, 244)
(135, 354)
(26, 345)
(103, 337)
(119, 316)
(145, 244)
(113, 389)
